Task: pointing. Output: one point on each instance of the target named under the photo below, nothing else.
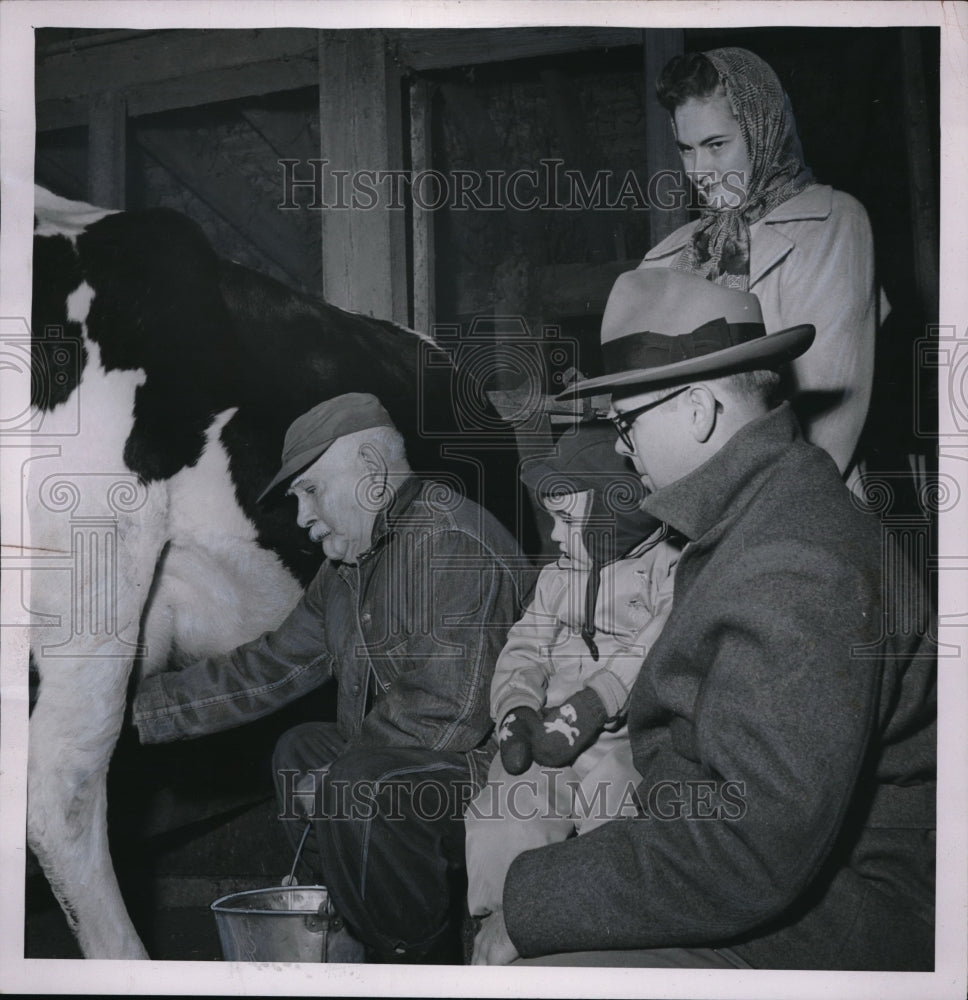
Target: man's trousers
(387, 836)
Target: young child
(561, 684)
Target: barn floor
(189, 822)
(169, 896)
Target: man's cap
(312, 433)
(663, 327)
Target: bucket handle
(290, 879)
(326, 917)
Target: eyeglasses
(623, 421)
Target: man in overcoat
(784, 723)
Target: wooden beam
(180, 69)
(421, 158)
(189, 91)
(440, 48)
(232, 196)
(107, 141)
(360, 128)
(923, 179)
(661, 153)
(165, 55)
(86, 41)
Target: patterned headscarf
(720, 247)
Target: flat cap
(312, 433)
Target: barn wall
(866, 102)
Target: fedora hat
(312, 433)
(663, 327)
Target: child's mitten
(568, 729)
(514, 738)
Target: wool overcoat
(784, 725)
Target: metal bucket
(292, 923)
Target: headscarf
(614, 523)
(720, 247)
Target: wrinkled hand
(568, 729)
(492, 946)
(514, 738)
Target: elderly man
(407, 613)
(783, 724)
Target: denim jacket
(410, 633)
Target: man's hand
(492, 946)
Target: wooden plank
(603, 233)
(285, 131)
(191, 90)
(85, 41)
(661, 152)
(165, 55)
(923, 183)
(291, 134)
(229, 193)
(467, 106)
(53, 171)
(360, 128)
(441, 48)
(424, 288)
(107, 140)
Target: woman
(768, 227)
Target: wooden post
(923, 182)
(107, 132)
(424, 294)
(660, 146)
(360, 129)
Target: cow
(163, 380)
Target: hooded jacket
(589, 627)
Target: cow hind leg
(72, 735)
(84, 662)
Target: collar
(403, 496)
(814, 202)
(726, 482)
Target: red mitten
(568, 729)
(514, 738)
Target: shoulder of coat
(674, 242)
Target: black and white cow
(163, 381)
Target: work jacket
(410, 633)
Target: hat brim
(773, 349)
(295, 465)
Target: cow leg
(73, 730)
(84, 665)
